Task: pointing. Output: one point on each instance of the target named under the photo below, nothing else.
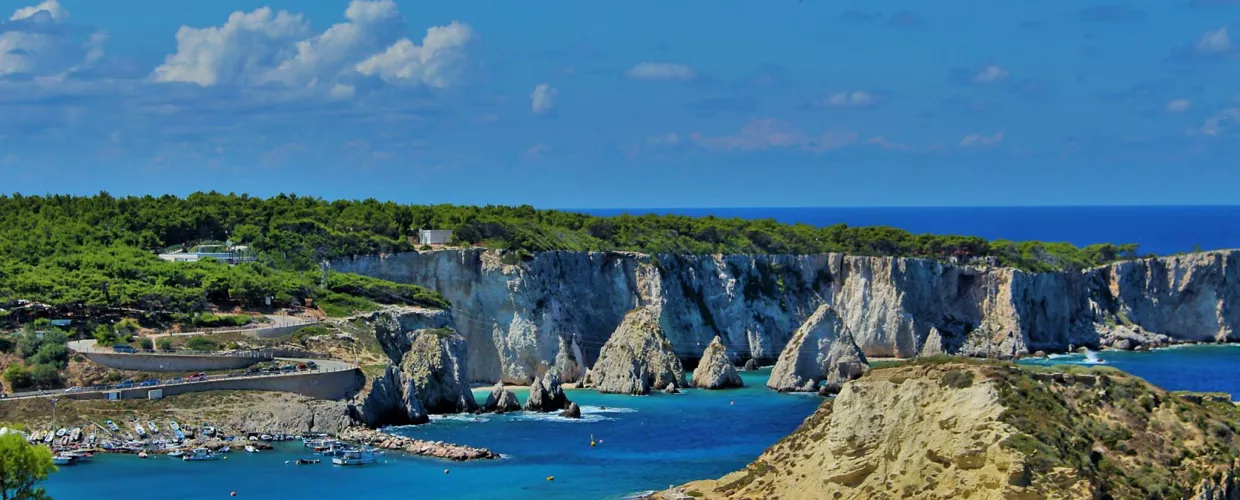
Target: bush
(219, 320)
(146, 344)
(127, 325)
(7, 344)
(164, 343)
(425, 248)
(56, 355)
(45, 374)
(105, 335)
(17, 376)
(200, 344)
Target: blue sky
(640, 104)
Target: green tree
(22, 465)
(17, 376)
(45, 375)
(105, 335)
(145, 343)
(164, 343)
(200, 344)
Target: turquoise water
(645, 443)
(1206, 368)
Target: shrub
(200, 344)
(958, 379)
(17, 376)
(127, 325)
(164, 343)
(45, 374)
(145, 343)
(7, 344)
(56, 355)
(105, 335)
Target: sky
(572, 104)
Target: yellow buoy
(551, 478)
(592, 440)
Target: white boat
(225, 449)
(265, 437)
(200, 454)
(150, 424)
(142, 454)
(78, 455)
(76, 434)
(356, 456)
(208, 430)
(172, 424)
(49, 437)
(137, 426)
(61, 459)
(61, 432)
(112, 425)
(249, 448)
(176, 453)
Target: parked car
(123, 348)
(253, 370)
(288, 368)
(72, 390)
(311, 365)
(125, 385)
(149, 383)
(302, 366)
(196, 377)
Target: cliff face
(557, 309)
(427, 373)
(821, 350)
(974, 430)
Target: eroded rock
(715, 370)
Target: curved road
(85, 346)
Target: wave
(606, 409)
(459, 417)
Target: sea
(644, 443)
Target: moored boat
(75, 434)
(355, 456)
(200, 454)
(137, 426)
(176, 453)
(112, 425)
(249, 448)
(62, 459)
(150, 424)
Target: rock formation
(428, 373)
(638, 358)
(751, 365)
(501, 400)
(968, 430)
(515, 317)
(546, 394)
(821, 350)
(573, 411)
(715, 370)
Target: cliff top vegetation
(97, 251)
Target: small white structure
(434, 236)
(224, 253)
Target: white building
(434, 236)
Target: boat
(176, 453)
(355, 456)
(47, 438)
(79, 456)
(62, 459)
(142, 454)
(172, 424)
(307, 461)
(180, 435)
(137, 426)
(249, 448)
(225, 449)
(75, 434)
(335, 449)
(150, 424)
(61, 432)
(200, 454)
(208, 430)
(265, 437)
(91, 438)
(112, 425)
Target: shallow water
(1205, 368)
(644, 443)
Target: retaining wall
(320, 385)
(171, 362)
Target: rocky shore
(435, 449)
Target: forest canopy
(93, 251)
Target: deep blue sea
(1155, 229)
(652, 442)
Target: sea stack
(501, 400)
(638, 358)
(546, 394)
(821, 350)
(432, 378)
(715, 370)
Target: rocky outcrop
(638, 358)
(547, 394)
(715, 370)
(821, 350)
(751, 365)
(966, 430)
(573, 411)
(428, 373)
(435, 449)
(556, 309)
(501, 400)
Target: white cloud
(50, 8)
(1218, 124)
(660, 71)
(990, 74)
(342, 92)
(438, 62)
(859, 98)
(265, 47)
(34, 42)
(543, 98)
(1178, 106)
(770, 133)
(980, 140)
(1214, 42)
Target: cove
(643, 443)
